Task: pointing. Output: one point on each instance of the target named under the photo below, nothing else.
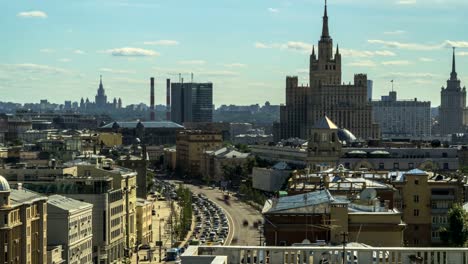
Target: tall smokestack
(152, 114)
(168, 99)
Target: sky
(56, 49)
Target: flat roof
(67, 204)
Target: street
(237, 213)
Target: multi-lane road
(237, 212)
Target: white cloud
(464, 53)
(395, 32)
(297, 45)
(407, 2)
(132, 52)
(32, 68)
(363, 63)
(109, 70)
(192, 62)
(64, 60)
(235, 65)
(396, 62)
(411, 75)
(418, 46)
(260, 45)
(273, 10)
(458, 44)
(163, 42)
(78, 52)
(366, 53)
(32, 14)
(218, 73)
(424, 59)
(47, 50)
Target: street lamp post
(344, 234)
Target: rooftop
(67, 204)
(146, 124)
(24, 196)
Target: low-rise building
(271, 179)
(54, 255)
(213, 162)
(23, 225)
(70, 222)
(319, 216)
(144, 222)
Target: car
(220, 240)
(145, 246)
(245, 223)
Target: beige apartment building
(191, 145)
(213, 162)
(23, 225)
(425, 199)
(144, 222)
(70, 223)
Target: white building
(402, 118)
(70, 225)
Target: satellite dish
(368, 194)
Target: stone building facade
(453, 111)
(347, 105)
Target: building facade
(191, 102)
(23, 225)
(144, 222)
(347, 105)
(402, 118)
(72, 224)
(191, 145)
(452, 109)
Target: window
(416, 198)
(416, 212)
(444, 155)
(381, 166)
(410, 166)
(446, 166)
(396, 166)
(416, 228)
(416, 182)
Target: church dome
(4, 186)
(115, 125)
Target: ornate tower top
(325, 31)
(453, 74)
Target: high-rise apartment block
(347, 105)
(191, 102)
(402, 118)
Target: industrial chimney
(168, 99)
(152, 114)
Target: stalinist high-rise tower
(452, 104)
(346, 105)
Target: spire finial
(325, 32)
(313, 50)
(337, 49)
(453, 75)
(100, 78)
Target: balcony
(332, 255)
(446, 197)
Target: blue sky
(56, 49)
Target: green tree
(456, 234)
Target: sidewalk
(163, 211)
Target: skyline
(249, 50)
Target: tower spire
(313, 50)
(325, 32)
(453, 75)
(100, 79)
(337, 49)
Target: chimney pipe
(152, 114)
(168, 99)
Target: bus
(172, 254)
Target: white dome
(4, 186)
